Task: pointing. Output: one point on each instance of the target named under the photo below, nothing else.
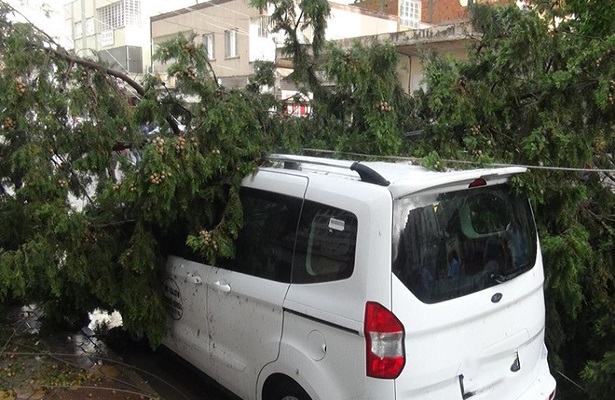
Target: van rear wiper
(501, 278)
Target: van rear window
(451, 244)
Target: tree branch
(117, 74)
(297, 23)
(211, 69)
(93, 65)
(72, 173)
(53, 48)
(112, 224)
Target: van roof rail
(366, 173)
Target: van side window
(173, 242)
(326, 243)
(264, 246)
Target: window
(208, 45)
(263, 26)
(324, 248)
(326, 244)
(119, 14)
(89, 26)
(230, 44)
(264, 246)
(77, 30)
(410, 13)
(452, 244)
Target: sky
(34, 11)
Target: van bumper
(543, 387)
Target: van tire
(288, 390)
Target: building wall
(432, 11)
(349, 21)
(390, 7)
(77, 13)
(214, 17)
(410, 69)
(437, 11)
(450, 39)
(117, 45)
(217, 16)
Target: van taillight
(384, 339)
(477, 182)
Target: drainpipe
(96, 49)
(84, 38)
(127, 59)
(471, 9)
(430, 11)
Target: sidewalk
(66, 366)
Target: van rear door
(467, 287)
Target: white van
(369, 280)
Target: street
(171, 377)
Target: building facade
(232, 34)
(420, 14)
(117, 31)
(235, 35)
(440, 26)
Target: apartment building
(235, 35)
(117, 31)
(440, 26)
(114, 30)
(420, 14)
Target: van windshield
(447, 245)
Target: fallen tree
(88, 201)
(88, 208)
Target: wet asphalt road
(170, 376)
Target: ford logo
(496, 298)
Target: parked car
(369, 280)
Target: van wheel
(289, 390)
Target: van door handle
(193, 278)
(222, 287)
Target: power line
(216, 6)
(211, 17)
(195, 28)
(573, 383)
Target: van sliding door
(245, 294)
